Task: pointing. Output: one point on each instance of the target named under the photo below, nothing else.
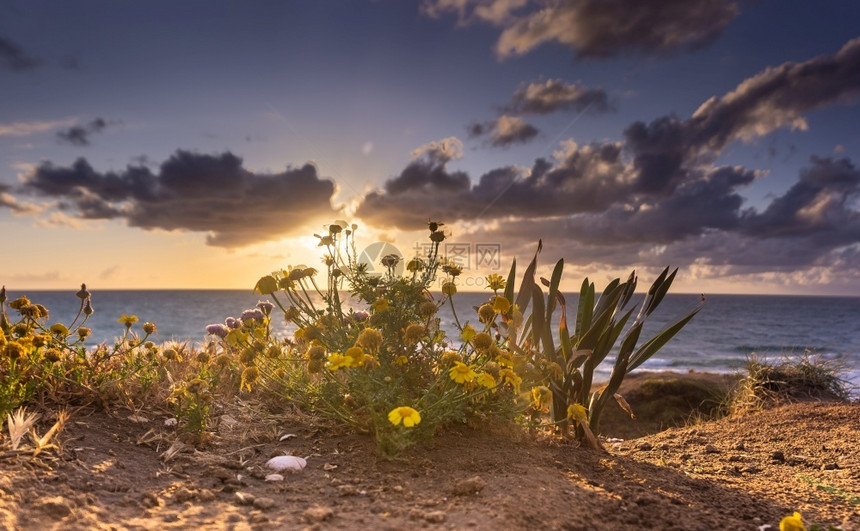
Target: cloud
(194, 192)
(556, 95)
(493, 11)
(79, 135)
(504, 131)
(658, 195)
(604, 28)
(13, 57)
(32, 128)
(594, 28)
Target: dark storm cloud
(206, 193)
(13, 57)
(659, 188)
(79, 135)
(556, 95)
(504, 131)
(822, 203)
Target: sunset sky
(201, 144)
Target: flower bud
(83, 294)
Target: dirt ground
(112, 472)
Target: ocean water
(719, 339)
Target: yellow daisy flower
(404, 414)
(461, 373)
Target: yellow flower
(449, 289)
(401, 360)
(380, 305)
(404, 414)
(450, 357)
(501, 304)
(427, 309)
(511, 377)
(336, 361)
(495, 282)
(316, 352)
(413, 333)
(486, 380)
(249, 376)
(486, 313)
(542, 397)
(127, 320)
(577, 412)
(356, 354)
(369, 338)
(59, 329)
(468, 333)
(482, 341)
(461, 373)
(792, 523)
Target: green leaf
(509, 285)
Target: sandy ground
(735, 473)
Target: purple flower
(266, 306)
(360, 316)
(232, 322)
(217, 330)
(254, 314)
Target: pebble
(777, 456)
(435, 517)
(347, 490)
(711, 449)
(244, 498)
(739, 446)
(469, 486)
(317, 513)
(644, 446)
(830, 466)
(264, 503)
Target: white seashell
(171, 422)
(274, 477)
(286, 462)
(287, 436)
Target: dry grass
(790, 379)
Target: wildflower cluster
(376, 359)
(38, 357)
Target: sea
(721, 338)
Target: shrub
(383, 367)
(806, 377)
(566, 361)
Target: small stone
(264, 503)
(830, 466)
(644, 446)
(257, 517)
(664, 446)
(750, 470)
(738, 446)
(183, 495)
(317, 513)
(244, 498)
(777, 456)
(735, 458)
(711, 449)
(347, 490)
(469, 486)
(397, 488)
(435, 517)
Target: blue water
(718, 339)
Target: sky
(201, 144)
